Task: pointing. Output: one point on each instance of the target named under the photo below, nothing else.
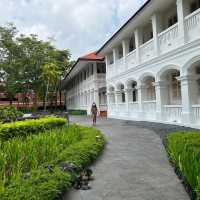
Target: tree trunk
(46, 96)
(60, 98)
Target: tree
(22, 61)
(10, 64)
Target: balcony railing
(121, 108)
(147, 50)
(119, 65)
(133, 108)
(173, 113)
(192, 23)
(196, 113)
(168, 39)
(131, 59)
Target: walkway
(134, 166)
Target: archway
(120, 93)
(132, 92)
(111, 95)
(170, 79)
(148, 86)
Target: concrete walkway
(134, 166)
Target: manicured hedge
(9, 113)
(78, 112)
(28, 127)
(43, 185)
(184, 150)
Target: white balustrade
(131, 59)
(149, 106)
(192, 24)
(147, 51)
(168, 39)
(121, 108)
(110, 70)
(102, 107)
(101, 76)
(149, 109)
(119, 65)
(133, 108)
(111, 109)
(196, 113)
(173, 113)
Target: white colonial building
(153, 64)
(86, 83)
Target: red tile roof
(91, 56)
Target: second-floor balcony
(164, 41)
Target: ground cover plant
(24, 161)
(28, 127)
(184, 151)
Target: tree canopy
(26, 63)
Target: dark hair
(94, 105)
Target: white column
(156, 25)
(161, 88)
(141, 97)
(107, 63)
(181, 12)
(96, 97)
(187, 95)
(114, 55)
(95, 69)
(138, 42)
(125, 45)
(118, 97)
(128, 93)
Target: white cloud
(81, 26)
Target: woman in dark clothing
(94, 112)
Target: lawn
(184, 151)
(28, 148)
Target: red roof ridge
(92, 56)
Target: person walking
(94, 112)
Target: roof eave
(129, 20)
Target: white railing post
(181, 10)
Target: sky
(82, 26)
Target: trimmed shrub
(9, 113)
(77, 144)
(78, 112)
(28, 127)
(184, 151)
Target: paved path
(134, 166)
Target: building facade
(86, 83)
(153, 64)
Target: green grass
(184, 150)
(23, 162)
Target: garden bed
(184, 153)
(25, 161)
